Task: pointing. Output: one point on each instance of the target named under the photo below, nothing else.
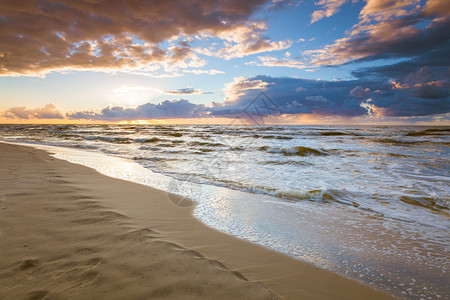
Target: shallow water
(370, 203)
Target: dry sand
(67, 231)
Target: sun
(133, 95)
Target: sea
(367, 202)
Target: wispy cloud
(287, 62)
(186, 91)
(125, 90)
(200, 71)
(329, 8)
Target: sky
(188, 61)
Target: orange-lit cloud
(389, 29)
(49, 111)
(39, 37)
(329, 8)
(241, 85)
(245, 40)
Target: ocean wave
(63, 127)
(203, 150)
(396, 155)
(202, 135)
(296, 151)
(287, 162)
(430, 131)
(174, 134)
(319, 195)
(161, 127)
(149, 148)
(127, 127)
(109, 151)
(114, 140)
(208, 144)
(277, 137)
(322, 195)
(81, 146)
(281, 137)
(142, 158)
(238, 148)
(114, 133)
(150, 140)
(69, 136)
(270, 128)
(332, 133)
(165, 145)
(434, 204)
(396, 142)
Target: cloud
(330, 7)
(435, 8)
(387, 9)
(186, 91)
(240, 86)
(279, 4)
(338, 98)
(437, 61)
(314, 97)
(125, 90)
(419, 85)
(390, 29)
(359, 92)
(164, 110)
(418, 96)
(49, 111)
(199, 71)
(270, 61)
(152, 37)
(244, 40)
(318, 98)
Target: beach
(69, 232)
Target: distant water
(371, 203)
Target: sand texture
(68, 232)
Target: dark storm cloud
(437, 60)
(417, 97)
(418, 33)
(294, 96)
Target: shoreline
(134, 220)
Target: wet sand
(67, 231)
